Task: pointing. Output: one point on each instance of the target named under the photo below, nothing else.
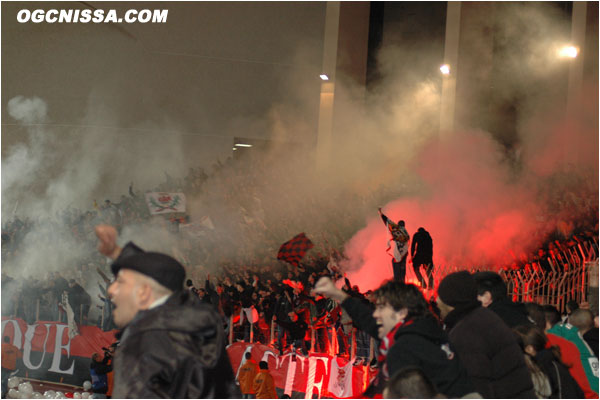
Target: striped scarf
(386, 343)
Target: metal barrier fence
(571, 274)
(353, 346)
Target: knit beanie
(458, 288)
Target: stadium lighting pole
(449, 69)
(578, 26)
(326, 98)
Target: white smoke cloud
(478, 204)
(27, 110)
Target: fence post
(333, 345)
(81, 314)
(231, 329)
(592, 271)
(312, 339)
(102, 320)
(371, 348)
(353, 346)
(272, 332)
(251, 332)
(37, 310)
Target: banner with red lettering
(309, 375)
(49, 354)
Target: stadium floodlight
(568, 52)
(324, 77)
(243, 145)
(445, 69)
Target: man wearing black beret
(172, 345)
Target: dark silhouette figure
(421, 251)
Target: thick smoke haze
(482, 204)
(485, 206)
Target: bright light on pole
(243, 145)
(568, 52)
(324, 77)
(445, 69)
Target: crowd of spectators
(268, 301)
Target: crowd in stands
(270, 301)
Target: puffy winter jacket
(490, 352)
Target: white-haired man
(171, 344)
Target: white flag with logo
(340, 379)
(163, 203)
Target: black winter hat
(162, 268)
(458, 288)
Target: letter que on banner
(48, 352)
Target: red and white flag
(163, 203)
(340, 379)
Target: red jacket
(572, 359)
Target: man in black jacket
(172, 345)
(486, 346)
(410, 336)
(492, 293)
(421, 251)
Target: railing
(331, 339)
(572, 272)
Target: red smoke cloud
(476, 215)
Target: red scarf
(386, 343)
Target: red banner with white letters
(47, 352)
(49, 355)
(310, 375)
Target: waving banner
(294, 249)
(49, 354)
(163, 203)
